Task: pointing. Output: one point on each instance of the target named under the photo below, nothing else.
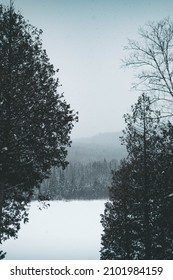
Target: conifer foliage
(138, 219)
(35, 120)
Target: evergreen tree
(141, 191)
(162, 203)
(119, 220)
(35, 119)
(140, 142)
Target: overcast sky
(85, 40)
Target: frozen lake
(64, 231)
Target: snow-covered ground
(65, 230)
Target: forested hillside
(97, 148)
(79, 181)
(89, 173)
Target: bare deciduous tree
(152, 57)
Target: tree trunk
(2, 254)
(147, 241)
(1, 205)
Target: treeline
(78, 181)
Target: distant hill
(99, 147)
(89, 173)
(108, 138)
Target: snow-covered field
(64, 231)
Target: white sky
(85, 40)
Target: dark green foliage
(118, 216)
(138, 220)
(36, 121)
(2, 255)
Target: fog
(85, 40)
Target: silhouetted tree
(35, 120)
(151, 56)
(119, 221)
(136, 220)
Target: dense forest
(78, 181)
(88, 174)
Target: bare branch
(152, 57)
